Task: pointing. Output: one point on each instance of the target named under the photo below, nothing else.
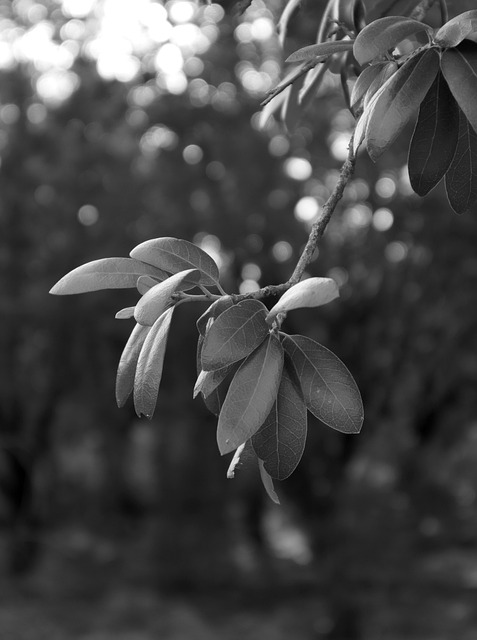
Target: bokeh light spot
(88, 215)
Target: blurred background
(124, 120)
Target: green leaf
(434, 139)
(328, 388)
(453, 32)
(125, 314)
(321, 50)
(383, 35)
(312, 292)
(280, 441)
(144, 283)
(364, 81)
(459, 67)
(156, 300)
(149, 367)
(234, 334)
(398, 99)
(215, 309)
(128, 362)
(461, 178)
(251, 395)
(267, 483)
(107, 273)
(173, 255)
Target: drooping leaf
(457, 29)
(388, 70)
(282, 25)
(312, 83)
(173, 255)
(273, 106)
(128, 362)
(321, 50)
(144, 283)
(312, 292)
(267, 483)
(149, 367)
(215, 399)
(280, 441)
(383, 35)
(434, 139)
(461, 177)
(208, 381)
(328, 388)
(251, 395)
(364, 81)
(234, 334)
(156, 300)
(291, 111)
(215, 309)
(459, 67)
(107, 273)
(125, 314)
(398, 99)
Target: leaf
(461, 177)
(383, 35)
(321, 50)
(282, 25)
(398, 99)
(280, 441)
(125, 314)
(453, 32)
(291, 111)
(274, 105)
(328, 388)
(144, 283)
(234, 334)
(128, 362)
(364, 81)
(156, 300)
(215, 309)
(215, 399)
(459, 67)
(312, 292)
(173, 255)
(149, 367)
(107, 273)
(251, 395)
(388, 70)
(267, 483)
(434, 139)
(208, 381)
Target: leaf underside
(156, 300)
(453, 32)
(461, 177)
(127, 363)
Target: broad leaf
(461, 178)
(208, 381)
(321, 50)
(107, 273)
(215, 309)
(156, 300)
(398, 99)
(312, 292)
(149, 367)
(434, 140)
(459, 67)
(173, 255)
(453, 32)
(328, 388)
(383, 35)
(144, 283)
(125, 314)
(234, 334)
(251, 395)
(267, 483)
(280, 441)
(364, 81)
(128, 362)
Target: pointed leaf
(321, 50)
(267, 483)
(107, 273)
(156, 300)
(125, 314)
(128, 362)
(328, 388)
(208, 381)
(312, 292)
(291, 111)
(434, 139)
(383, 35)
(173, 255)
(215, 309)
(453, 32)
(461, 178)
(280, 441)
(251, 395)
(215, 399)
(144, 283)
(234, 334)
(399, 98)
(149, 367)
(459, 67)
(364, 81)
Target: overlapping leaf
(251, 395)
(320, 51)
(280, 441)
(125, 314)
(398, 99)
(328, 388)
(174, 255)
(364, 81)
(149, 367)
(459, 67)
(234, 334)
(312, 292)
(144, 283)
(208, 381)
(128, 362)
(461, 177)
(215, 309)
(434, 140)
(267, 482)
(457, 29)
(107, 273)
(156, 300)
